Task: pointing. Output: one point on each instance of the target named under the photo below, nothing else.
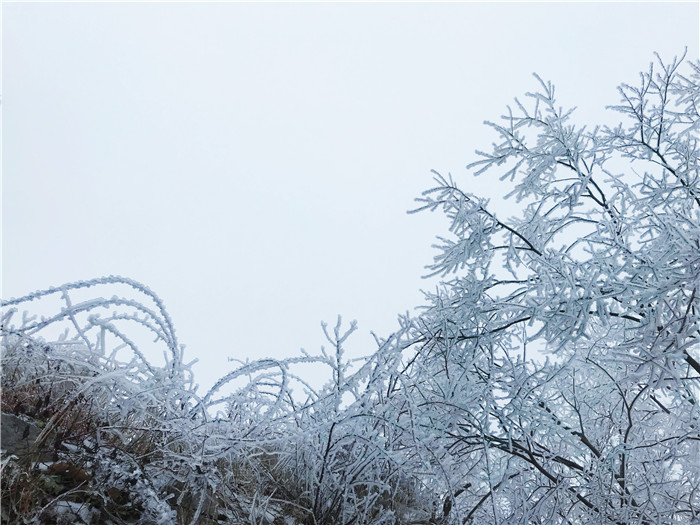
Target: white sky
(253, 163)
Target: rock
(17, 435)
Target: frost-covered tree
(558, 365)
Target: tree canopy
(599, 273)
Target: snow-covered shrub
(149, 449)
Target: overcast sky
(253, 163)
